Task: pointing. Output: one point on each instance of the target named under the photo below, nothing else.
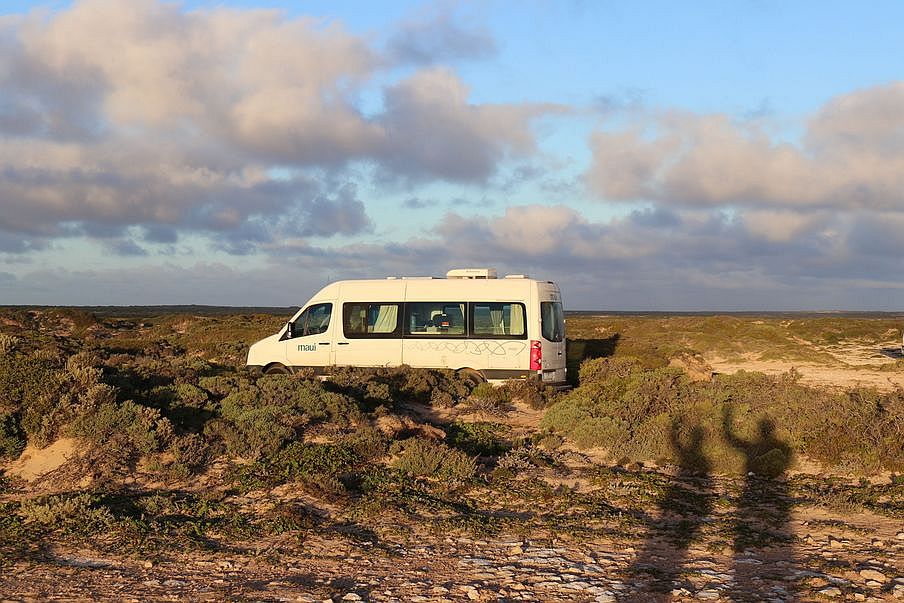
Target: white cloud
(116, 114)
(851, 156)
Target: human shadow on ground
(763, 554)
(683, 507)
(579, 350)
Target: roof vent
(472, 273)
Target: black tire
(472, 374)
(276, 369)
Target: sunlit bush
(418, 457)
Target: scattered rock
(871, 574)
(832, 591)
(708, 594)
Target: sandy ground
(854, 366)
(35, 462)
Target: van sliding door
(370, 335)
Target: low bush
(190, 454)
(525, 458)
(746, 421)
(68, 513)
(418, 457)
(478, 439)
(258, 419)
(388, 386)
(488, 393)
(8, 343)
(12, 438)
(31, 387)
(530, 391)
(126, 430)
(321, 467)
(860, 430)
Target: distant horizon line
(223, 309)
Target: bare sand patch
(815, 374)
(36, 462)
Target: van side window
(498, 320)
(435, 319)
(314, 320)
(371, 319)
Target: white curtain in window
(387, 319)
(496, 318)
(517, 317)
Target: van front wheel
(276, 369)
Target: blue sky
(648, 155)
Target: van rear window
(552, 321)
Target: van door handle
(324, 343)
(342, 343)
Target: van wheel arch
(473, 374)
(275, 368)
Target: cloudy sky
(644, 155)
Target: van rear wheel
(276, 369)
(473, 375)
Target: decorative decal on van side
(307, 347)
(474, 348)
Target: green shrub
(319, 466)
(253, 432)
(67, 513)
(30, 387)
(418, 457)
(525, 458)
(222, 385)
(190, 453)
(8, 343)
(367, 443)
(602, 369)
(128, 430)
(489, 393)
(12, 440)
(861, 430)
(477, 439)
(258, 420)
(310, 398)
(586, 420)
(530, 391)
(388, 386)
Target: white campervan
(499, 328)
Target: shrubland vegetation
(639, 413)
(156, 404)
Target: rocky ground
(817, 555)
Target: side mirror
(290, 330)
